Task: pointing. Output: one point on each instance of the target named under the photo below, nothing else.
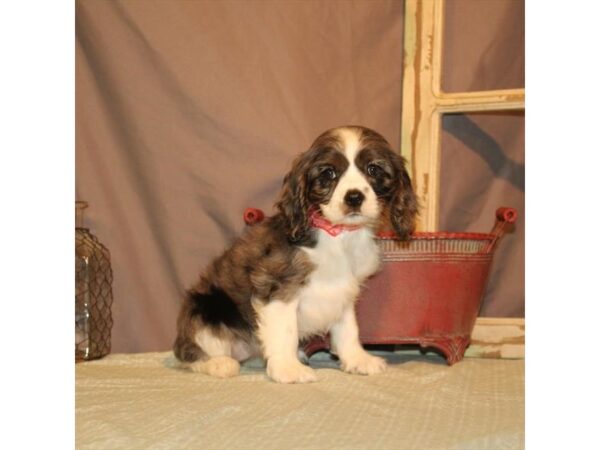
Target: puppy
(298, 273)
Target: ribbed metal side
(443, 249)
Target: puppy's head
(353, 177)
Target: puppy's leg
(278, 333)
(217, 348)
(346, 345)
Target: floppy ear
(293, 202)
(404, 206)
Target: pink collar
(318, 221)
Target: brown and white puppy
(298, 273)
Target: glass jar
(93, 292)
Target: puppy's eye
(374, 170)
(329, 174)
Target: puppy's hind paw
(220, 367)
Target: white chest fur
(342, 263)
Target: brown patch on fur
(404, 206)
(247, 269)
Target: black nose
(354, 198)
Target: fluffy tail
(186, 350)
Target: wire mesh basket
(93, 293)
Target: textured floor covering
(140, 402)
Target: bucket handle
(253, 216)
(504, 216)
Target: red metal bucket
(428, 291)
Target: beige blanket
(139, 401)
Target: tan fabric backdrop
(189, 111)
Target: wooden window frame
(424, 102)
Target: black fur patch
(216, 308)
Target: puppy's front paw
(364, 364)
(290, 370)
